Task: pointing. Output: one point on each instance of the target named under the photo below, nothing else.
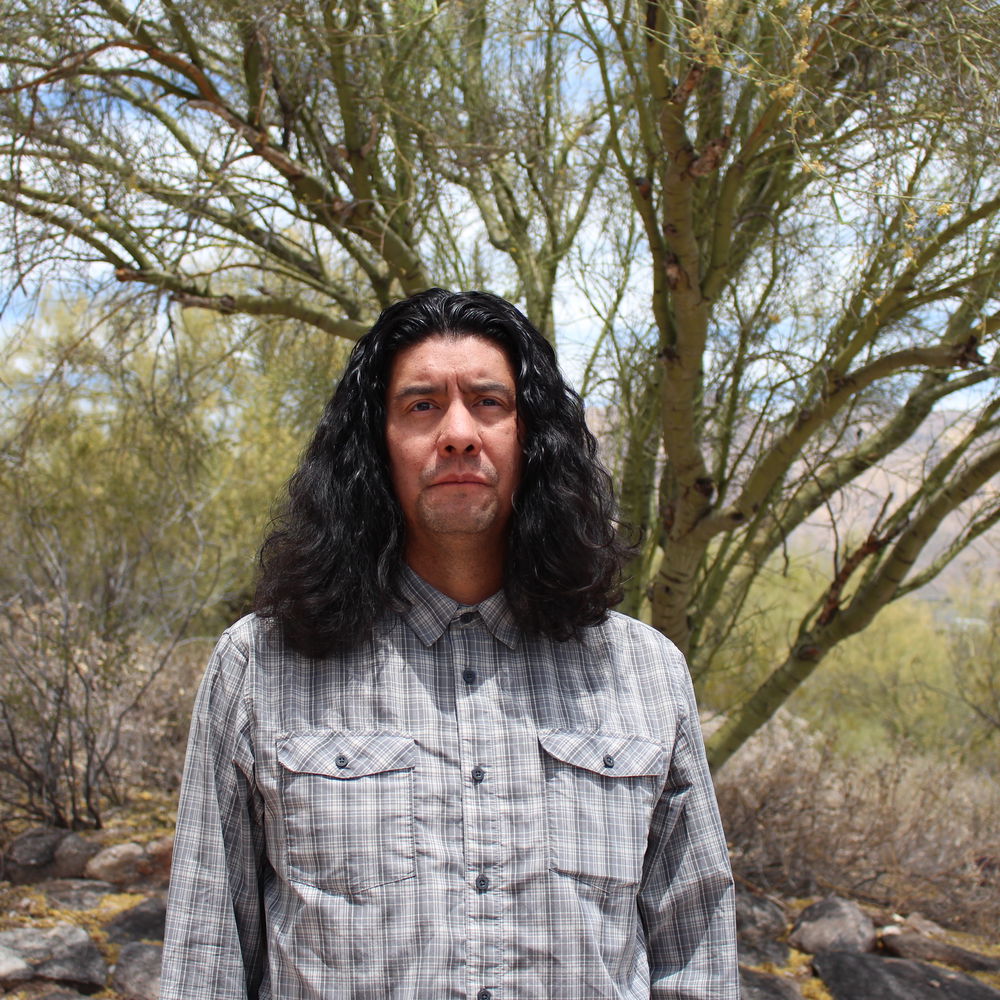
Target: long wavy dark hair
(331, 562)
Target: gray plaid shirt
(450, 811)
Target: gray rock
(853, 976)
(759, 924)
(76, 893)
(833, 924)
(144, 921)
(760, 986)
(918, 947)
(118, 864)
(63, 953)
(758, 916)
(31, 856)
(137, 974)
(13, 969)
(155, 867)
(762, 950)
(71, 856)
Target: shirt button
(482, 883)
(467, 618)
(469, 675)
(340, 760)
(484, 995)
(609, 761)
(478, 774)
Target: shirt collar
(429, 612)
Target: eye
(422, 406)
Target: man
(433, 765)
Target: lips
(463, 479)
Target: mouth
(461, 481)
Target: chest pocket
(347, 799)
(600, 790)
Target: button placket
(477, 712)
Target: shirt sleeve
(213, 945)
(687, 901)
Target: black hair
(331, 562)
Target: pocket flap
(345, 753)
(613, 755)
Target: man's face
(453, 439)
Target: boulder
(75, 893)
(71, 856)
(145, 921)
(13, 969)
(833, 924)
(137, 974)
(118, 864)
(155, 866)
(854, 976)
(31, 856)
(908, 945)
(759, 924)
(761, 986)
(63, 954)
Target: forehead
(439, 357)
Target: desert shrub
(905, 832)
(69, 739)
(156, 731)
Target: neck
(463, 567)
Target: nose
(458, 433)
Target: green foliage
(923, 677)
(139, 464)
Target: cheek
(404, 465)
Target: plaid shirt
(450, 811)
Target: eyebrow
(487, 387)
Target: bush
(71, 739)
(901, 831)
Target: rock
(13, 969)
(833, 924)
(853, 976)
(75, 893)
(155, 867)
(71, 856)
(919, 923)
(31, 856)
(58, 994)
(759, 922)
(118, 864)
(906, 945)
(64, 954)
(137, 974)
(760, 986)
(761, 951)
(144, 921)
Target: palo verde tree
(820, 226)
(778, 214)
